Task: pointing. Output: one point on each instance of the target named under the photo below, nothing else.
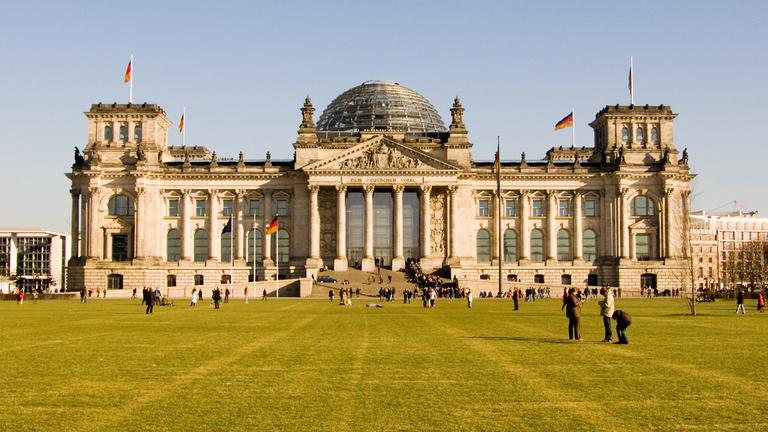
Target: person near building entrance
(623, 320)
(606, 311)
(740, 303)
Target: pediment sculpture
(381, 157)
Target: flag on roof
(128, 72)
(567, 121)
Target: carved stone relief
(382, 156)
(437, 221)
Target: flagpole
(130, 82)
(231, 257)
(253, 258)
(631, 81)
(498, 209)
(277, 260)
(573, 127)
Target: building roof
(380, 105)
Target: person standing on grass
(740, 303)
(623, 320)
(193, 301)
(565, 298)
(606, 311)
(200, 294)
(133, 294)
(469, 298)
(216, 296)
(760, 302)
(226, 295)
(245, 294)
(330, 295)
(150, 302)
(264, 294)
(573, 312)
(516, 297)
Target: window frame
(590, 212)
(201, 206)
(173, 207)
(483, 207)
(537, 210)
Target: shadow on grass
(532, 339)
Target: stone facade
(144, 213)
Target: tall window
(282, 207)
(589, 245)
(565, 207)
(511, 207)
(510, 245)
(483, 246)
(120, 205)
(643, 247)
(643, 206)
(254, 208)
(123, 132)
(170, 281)
(564, 245)
(137, 132)
(108, 133)
(655, 135)
(483, 208)
(226, 247)
(226, 209)
(201, 245)
(173, 249)
(640, 135)
(625, 134)
(200, 207)
(537, 245)
(537, 207)
(173, 207)
(119, 247)
(590, 207)
(284, 246)
(258, 252)
(199, 279)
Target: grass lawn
(304, 365)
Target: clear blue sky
(243, 70)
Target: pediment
(381, 154)
(644, 224)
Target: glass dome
(380, 105)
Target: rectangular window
(200, 207)
(590, 207)
(173, 207)
(226, 210)
(511, 206)
(483, 208)
(643, 247)
(199, 279)
(282, 207)
(565, 207)
(537, 207)
(119, 247)
(170, 281)
(255, 208)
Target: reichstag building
(378, 179)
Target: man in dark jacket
(573, 312)
(740, 303)
(150, 301)
(623, 320)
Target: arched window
(564, 245)
(123, 132)
(640, 135)
(483, 245)
(283, 246)
(120, 205)
(625, 134)
(226, 247)
(643, 206)
(255, 249)
(537, 245)
(173, 249)
(108, 133)
(655, 135)
(589, 245)
(137, 132)
(201, 245)
(510, 245)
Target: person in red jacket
(761, 302)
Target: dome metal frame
(380, 105)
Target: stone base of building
(368, 264)
(340, 264)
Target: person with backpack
(623, 320)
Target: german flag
(567, 121)
(181, 124)
(128, 72)
(272, 227)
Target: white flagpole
(277, 261)
(253, 257)
(231, 257)
(130, 82)
(573, 127)
(631, 81)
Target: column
(426, 221)
(525, 239)
(266, 220)
(187, 241)
(551, 227)
(577, 227)
(624, 225)
(237, 225)
(314, 223)
(495, 229)
(368, 261)
(93, 223)
(454, 225)
(84, 217)
(75, 229)
(668, 223)
(130, 131)
(399, 261)
(138, 223)
(340, 263)
(214, 231)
